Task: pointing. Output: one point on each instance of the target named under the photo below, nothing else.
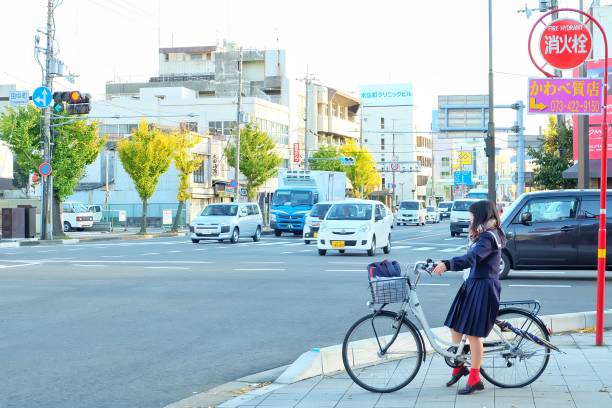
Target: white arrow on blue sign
(347, 161)
(42, 97)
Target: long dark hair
(485, 217)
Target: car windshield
(350, 212)
(478, 195)
(446, 205)
(463, 205)
(80, 208)
(431, 209)
(409, 205)
(320, 210)
(292, 198)
(220, 210)
(509, 210)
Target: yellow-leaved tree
(363, 175)
(186, 162)
(145, 156)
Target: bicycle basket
(389, 290)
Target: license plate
(315, 234)
(337, 244)
(466, 230)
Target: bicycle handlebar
(420, 266)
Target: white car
(355, 225)
(444, 208)
(227, 221)
(313, 220)
(412, 212)
(433, 215)
(76, 215)
(460, 216)
(97, 212)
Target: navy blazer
(483, 257)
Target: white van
(227, 221)
(76, 215)
(412, 212)
(460, 216)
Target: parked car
(96, 210)
(553, 230)
(460, 216)
(444, 208)
(412, 212)
(355, 225)
(76, 215)
(227, 221)
(313, 221)
(432, 215)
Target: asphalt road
(146, 323)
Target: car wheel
(278, 233)
(257, 236)
(67, 226)
(195, 241)
(235, 236)
(504, 266)
(342, 251)
(387, 249)
(322, 252)
(372, 250)
(452, 234)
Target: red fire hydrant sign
(565, 44)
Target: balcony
(337, 126)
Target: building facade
(402, 152)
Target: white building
(389, 133)
(176, 107)
(6, 157)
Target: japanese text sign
(565, 44)
(296, 152)
(577, 96)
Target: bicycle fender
(419, 335)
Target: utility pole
(308, 78)
(47, 199)
(491, 124)
(584, 179)
(239, 107)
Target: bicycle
(383, 351)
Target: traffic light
(487, 149)
(73, 103)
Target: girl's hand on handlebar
(440, 268)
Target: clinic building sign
(386, 95)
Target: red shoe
(456, 377)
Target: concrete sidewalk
(580, 378)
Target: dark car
(553, 230)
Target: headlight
(272, 217)
(364, 228)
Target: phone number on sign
(575, 106)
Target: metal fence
(134, 214)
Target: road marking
(10, 253)
(260, 269)
(306, 250)
(43, 261)
(200, 249)
(541, 286)
(174, 252)
(221, 247)
(423, 249)
(345, 270)
(459, 248)
(165, 267)
(364, 263)
(15, 266)
(111, 256)
(434, 284)
(275, 243)
(151, 253)
(299, 243)
(402, 247)
(539, 272)
(284, 253)
(91, 266)
(262, 262)
(48, 250)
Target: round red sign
(565, 44)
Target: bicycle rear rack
(531, 305)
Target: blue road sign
(233, 183)
(42, 97)
(347, 161)
(45, 169)
(462, 178)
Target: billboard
(386, 95)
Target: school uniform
(474, 310)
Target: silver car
(227, 221)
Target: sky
(440, 46)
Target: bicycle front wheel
(377, 356)
(511, 359)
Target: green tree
(326, 158)
(553, 157)
(76, 145)
(145, 156)
(258, 158)
(186, 163)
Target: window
(422, 180)
(589, 208)
(188, 126)
(380, 212)
(166, 57)
(446, 161)
(550, 209)
(382, 159)
(335, 109)
(382, 144)
(409, 205)
(382, 123)
(255, 209)
(383, 182)
(445, 174)
(196, 57)
(208, 57)
(425, 161)
(350, 212)
(250, 210)
(199, 176)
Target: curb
(328, 360)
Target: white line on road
(306, 250)
(14, 266)
(296, 244)
(262, 262)
(284, 253)
(48, 250)
(344, 270)
(221, 247)
(174, 252)
(200, 249)
(165, 267)
(259, 269)
(91, 266)
(540, 272)
(402, 247)
(541, 286)
(151, 253)
(364, 263)
(43, 261)
(434, 284)
(275, 243)
(110, 256)
(423, 249)
(459, 248)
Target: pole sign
(347, 161)
(296, 152)
(19, 98)
(576, 96)
(462, 178)
(565, 43)
(465, 158)
(45, 169)
(42, 97)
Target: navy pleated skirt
(475, 307)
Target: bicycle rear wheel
(512, 360)
(378, 371)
